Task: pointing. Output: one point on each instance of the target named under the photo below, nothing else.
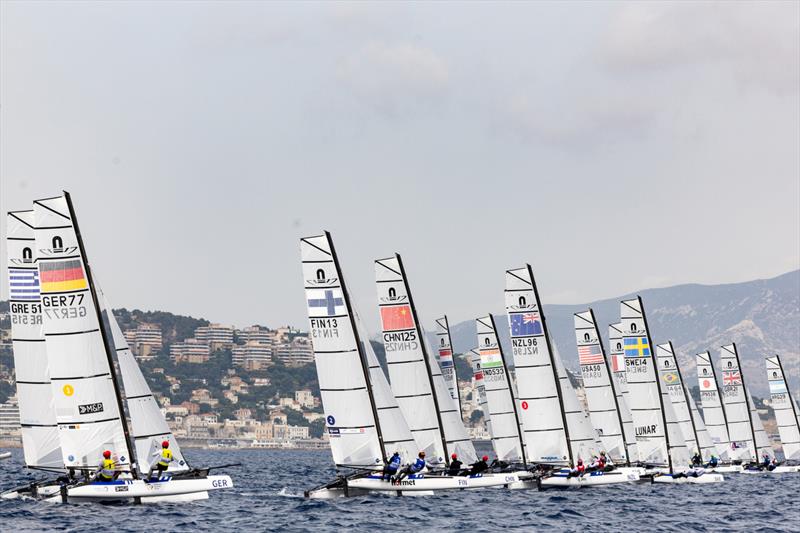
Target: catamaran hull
(704, 478)
(727, 469)
(5, 455)
(783, 469)
(592, 479)
(426, 482)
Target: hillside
(762, 317)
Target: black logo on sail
(90, 408)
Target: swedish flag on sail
(636, 347)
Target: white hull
(727, 469)
(706, 477)
(414, 485)
(5, 455)
(592, 479)
(781, 469)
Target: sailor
(455, 466)
(697, 459)
(713, 462)
(594, 465)
(392, 465)
(417, 466)
(479, 466)
(602, 461)
(773, 464)
(765, 461)
(164, 459)
(497, 463)
(579, 470)
(108, 468)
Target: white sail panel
(480, 388)
(763, 445)
(619, 383)
(40, 443)
(713, 410)
(600, 396)
(86, 398)
(445, 349)
(542, 413)
(500, 397)
(786, 412)
(737, 409)
(704, 441)
(414, 374)
(582, 436)
(671, 382)
(148, 426)
(341, 367)
(644, 392)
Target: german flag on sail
(61, 276)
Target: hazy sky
(613, 146)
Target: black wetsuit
(478, 467)
(455, 468)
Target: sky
(613, 146)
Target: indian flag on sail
(490, 358)
(61, 276)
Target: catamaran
(749, 441)
(786, 415)
(619, 382)
(662, 446)
(714, 414)
(556, 431)
(89, 415)
(363, 419)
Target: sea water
(268, 495)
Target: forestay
(350, 416)
(500, 397)
(40, 442)
(713, 410)
(414, 374)
(600, 396)
(480, 387)
(148, 426)
(542, 414)
(787, 415)
(445, 349)
(619, 383)
(87, 402)
(741, 429)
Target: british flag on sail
(732, 377)
(23, 283)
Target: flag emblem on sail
(590, 355)
(445, 353)
(58, 276)
(490, 358)
(526, 324)
(670, 377)
(396, 318)
(636, 347)
(777, 387)
(616, 362)
(23, 284)
(707, 384)
(731, 377)
(328, 302)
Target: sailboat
(444, 346)
(363, 420)
(619, 382)
(748, 438)
(716, 419)
(662, 446)
(786, 415)
(556, 431)
(605, 404)
(86, 394)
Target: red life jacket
(581, 469)
(601, 462)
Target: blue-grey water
(268, 495)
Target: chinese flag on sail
(396, 317)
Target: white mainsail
(692, 426)
(87, 402)
(352, 385)
(738, 406)
(601, 398)
(619, 383)
(542, 413)
(148, 426)
(658, 434)
(40, 443)
(500, 398)
(480, 387)
(414, 374)
(787, 415)
(713, 409)
(445, 348)
(763, 445)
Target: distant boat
(786, 415)
(5, 455)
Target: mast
(552, 364)
(359, 342)
(510, 391)
(105, 337)
(424, 347)
(658, 383)
(611, 380)
(686, 395)
(746, 399)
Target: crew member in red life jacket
(601, 461)
(580, 469)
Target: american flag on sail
(23, 284)
(732, 377)
(590, 354)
